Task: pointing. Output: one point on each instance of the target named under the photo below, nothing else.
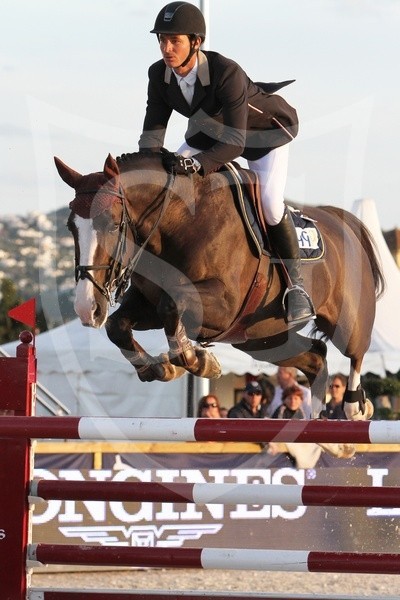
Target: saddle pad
(311, 243)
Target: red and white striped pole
(217, 493)
(201, 430)
(216, 558)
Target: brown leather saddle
(246, 190)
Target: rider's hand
(179, 165)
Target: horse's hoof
(209, 366)
(369, 409)
(171, 371)
(160, 370)
(186, 359)
(148, 373)
(359, 415)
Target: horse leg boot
(283, 236)
(181, 350)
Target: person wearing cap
(228, 116)
(251, 405)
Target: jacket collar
(203, 71)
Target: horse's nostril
(97, 311)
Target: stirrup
(306, 317)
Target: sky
(73, 79)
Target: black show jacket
(230, 116)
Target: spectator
(223, 412)
(286, 377)
(337, 388)
(208, 407)
(268, 390)
(292, 404)
(250, 406)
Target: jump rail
(18, 380)
(217, 493)
(215, 558)
(200, 430)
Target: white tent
(384, 351)
(90, 376)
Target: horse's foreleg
(356, 405)
(148, 368)
(182, 353)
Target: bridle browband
(118, 277)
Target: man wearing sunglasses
(251, 405)
(337, 388)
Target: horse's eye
(113, 228)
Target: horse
(177, 254)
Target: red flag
(25, 313)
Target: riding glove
(179, 165)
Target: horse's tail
(367, 242)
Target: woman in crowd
(292, 404)
(209, 407)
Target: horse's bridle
(118, 277)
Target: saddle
(246, 191)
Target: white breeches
(272, 173)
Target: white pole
(205, 9)
(201, 385)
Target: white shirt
(187, 83)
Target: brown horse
(195, 272)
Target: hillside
(37, 254)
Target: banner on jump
(165, 524)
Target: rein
(118, 277)
(133, 262)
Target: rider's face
(175, 50)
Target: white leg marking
(352, 410)
(354, 380)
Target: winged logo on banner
(166, 536)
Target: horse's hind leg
(355, 404)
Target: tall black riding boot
(283, 236)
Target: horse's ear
(111, 169)
(67, 174)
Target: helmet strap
(192, 51)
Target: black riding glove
(179, 165)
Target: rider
(229, 116)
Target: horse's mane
(125, 162)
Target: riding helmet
(181, 18)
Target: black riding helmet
(181, 18)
